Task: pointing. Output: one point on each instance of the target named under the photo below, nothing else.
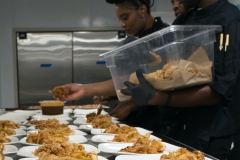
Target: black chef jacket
(216, 120)
(234, 105)
(157, 25)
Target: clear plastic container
(176, 46)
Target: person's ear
(143, 10)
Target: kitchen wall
(236, 2)
(53, 15)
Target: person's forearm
(191, 97)
(105, 88)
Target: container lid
(163, 32)
(52, 103)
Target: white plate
(142, 157)
(79, 116)
(60, 121)
(91, 148)
(115, 118)
(26, 111)
(99, 158)
(138, 157)
(23, 127)
(76, 132)
(113, 148)
(14, 140)
(19, 132)
(100, 131)
(27, 150)
(15, 120)
(7, 158)
(70, 126)
(14, 117)
(13, 114)
(72, 139)
(83, 121)
(94, 107)
(109, 138)
(50, 116)
(84, 118)
(10, 149)
(33, 126)
(87, 111)
(58, 118)
(88, 127)
(18, 114)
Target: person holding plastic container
(129, 111)
(124, 109)
(199, 116)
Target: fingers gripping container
(173, 58)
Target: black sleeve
(183, 18)
(227, 64)
(177, 21)
(164, 25)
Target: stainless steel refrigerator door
(44, 61)
(87, 46)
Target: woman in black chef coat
(129, 111)
(199, 116)
(136, 20)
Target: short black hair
(133, 3)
